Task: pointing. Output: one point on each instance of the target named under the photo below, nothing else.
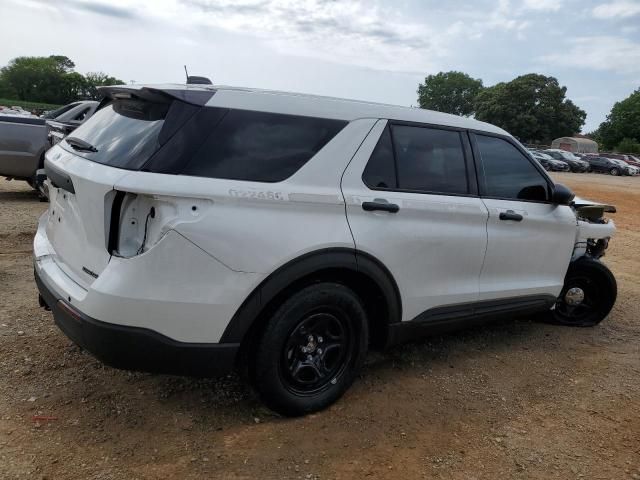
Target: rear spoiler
(191, 96)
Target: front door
(530, 240)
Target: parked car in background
(24, 139)
(576, 164)
(549, 163)
(194, 227)
(68, 121)
(633, 160)
(612, 166)
(630, 159)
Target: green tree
(628, 145)
(98, 79)
(50, 79)
(39, 79)
(531, 107)
(449, 92)
(622, 122)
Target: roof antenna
(196, 80)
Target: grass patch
(27, 105)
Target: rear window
(124, 133)
(179, 138)
(59, 111)
(259, 146)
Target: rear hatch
(78, 197)
(83, 169)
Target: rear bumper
(135, 348)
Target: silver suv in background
(23, 140)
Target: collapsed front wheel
(588, 294)
(311, 349)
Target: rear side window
(260, 147)
(508, 173)
(418, 159)
(124, 134)
(429, 160)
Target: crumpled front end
(594, 229)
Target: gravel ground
(517, 399)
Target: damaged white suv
(193, 229)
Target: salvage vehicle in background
(549, 163)
(633, 160)
(610, 165)
(24, 139)
(575, 163)
(62, 125)
(193, 229)
(629, 159)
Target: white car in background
(195, 228)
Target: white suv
(195, 228)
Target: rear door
(412, 203)
(530, 240)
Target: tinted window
(429, 160)
(124, 133)
(380, 171)
(81, 115)
(508, 173)
(261, 147)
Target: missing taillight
(114, 226)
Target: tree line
(532, 107)
(51, 80)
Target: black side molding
(59, 179)
(453, 317)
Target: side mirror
(562, 195)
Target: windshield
(123, 134)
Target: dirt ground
(517, 399)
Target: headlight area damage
(594, 230)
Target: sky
(376, 50)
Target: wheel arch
(361, 272)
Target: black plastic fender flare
(304, 266)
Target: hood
(579, 203)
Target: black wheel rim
(317, 351)
(591, 302)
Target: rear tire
(614, 171)
(311, 349)
(594, 282)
